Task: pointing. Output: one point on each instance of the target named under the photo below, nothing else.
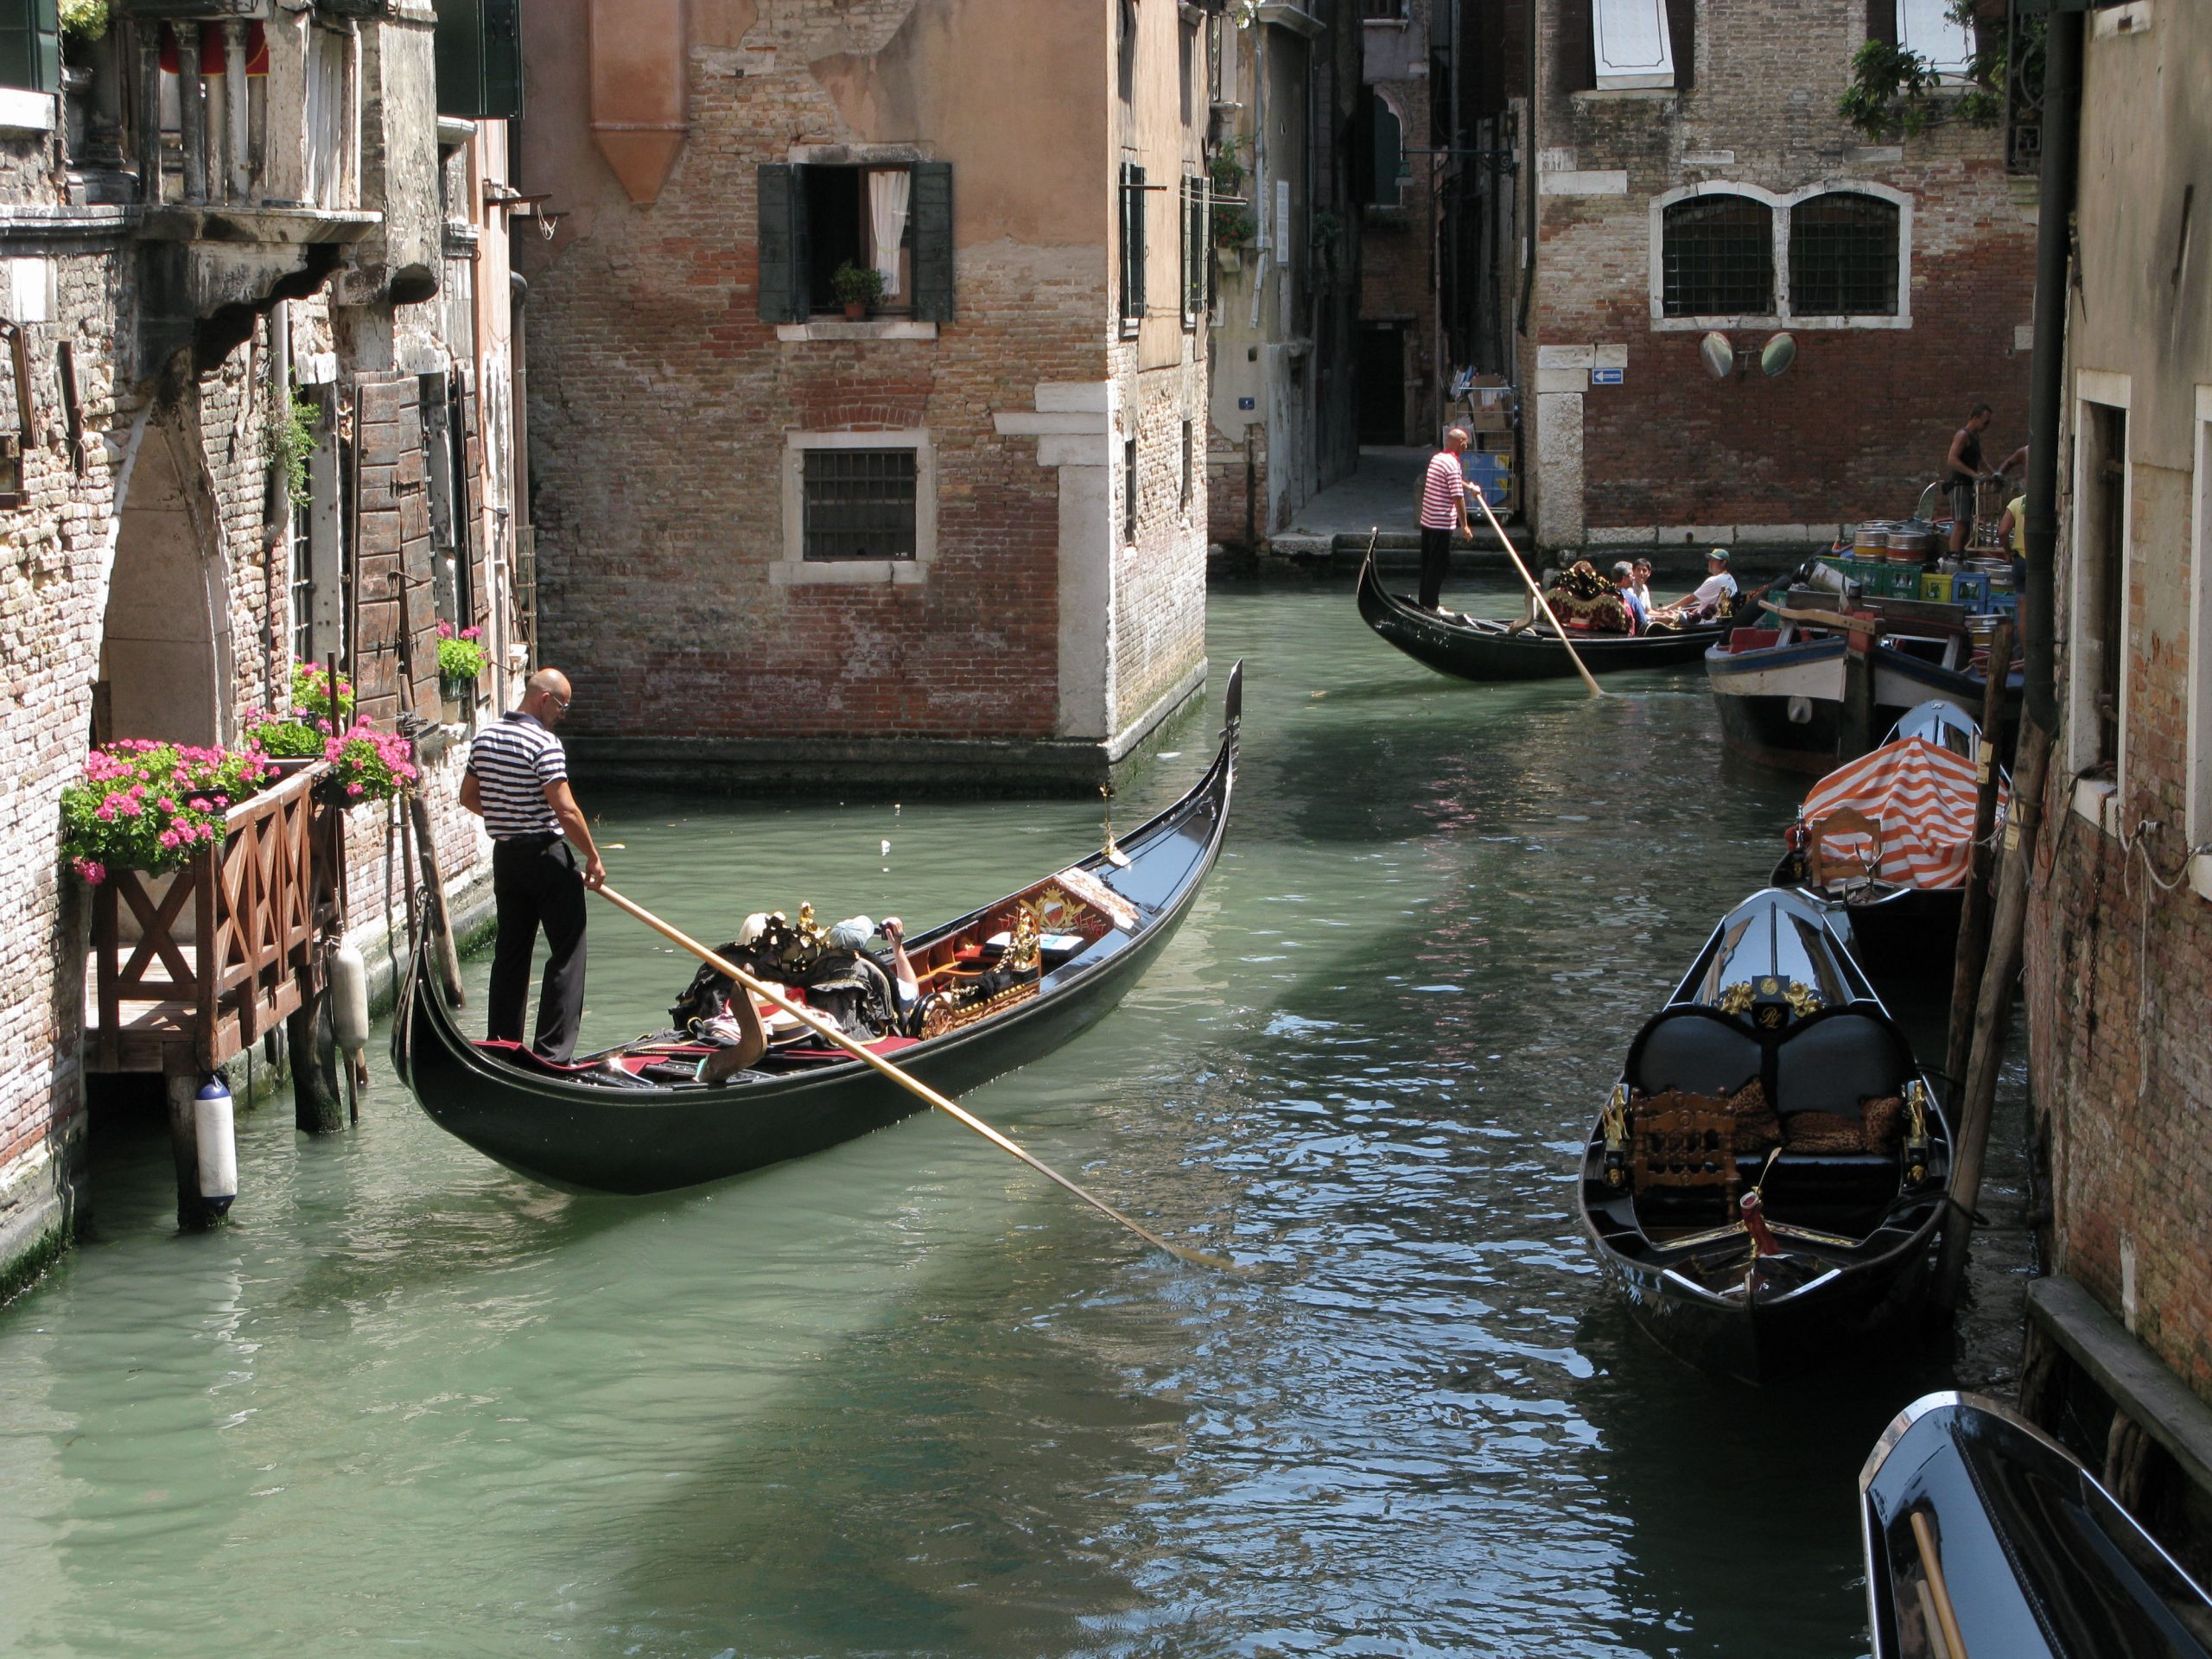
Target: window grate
(859, 503)
(1843, 256)
(1717, 258)
(302, 585)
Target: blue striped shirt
(512, 761)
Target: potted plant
(1232, 228)
(858, 287)
(366, 765)
(148, 806)
(461, 659)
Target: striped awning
(1922, 797)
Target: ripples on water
(900, 1397)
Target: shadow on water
(903, 1398)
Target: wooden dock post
(318, 1107)
(1855, 724)
(1974, 916)
(193, 1213)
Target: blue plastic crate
(1971, 589)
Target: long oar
(906, 1080)
(1543, 604)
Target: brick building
(1687, 172)
(957, 541)
(2118, 960)
(1287, 98)
(214, 227)
(1400, 365)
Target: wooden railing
(223, 947)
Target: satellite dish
(1717, 355)
(1781, 352)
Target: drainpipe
(520, 542)
(2062, 139)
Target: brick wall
(1863, 419)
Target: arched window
(1389, 156)
(1718, 257)
(1843, 256)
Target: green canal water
(903, 1397)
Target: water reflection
(899, 1398)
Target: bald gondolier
(518, 782)
(1443, 510)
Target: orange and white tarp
(1922, 797)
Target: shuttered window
(479, 51)
(30, 45)
(798, 253)
(1197, 268)
(1630, 47)
(1132, 243)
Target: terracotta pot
(855, 310)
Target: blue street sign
(1248, 403)
(1608, 377)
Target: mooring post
(1992, 1008)
(433, 894)
(318, 1107)
(1854, 733)
(193, 1213)
(1974, 914)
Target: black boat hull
(1469, 652)
(588, 1137)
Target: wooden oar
(907, 1081)
(1542, 604)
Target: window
(1382, 12)
(1927, 27)
(859, 503)
(1190, 463)
(318, 592)
(479, 49)
(1129, 490)
(1132, 243)
(1843, 256)
(1630, 46)
(2097, 674)
(1391, 167)
(1198, 268)
(30, 45)
(1718, 257)
(896, 217)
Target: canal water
(905, 1398)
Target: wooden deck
(189, 968)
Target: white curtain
(888, 191)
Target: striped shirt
(1442, 490)
(512, 762)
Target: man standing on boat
(1962, 471)
(518, 782)
(1443, 509)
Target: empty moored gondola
(1475, 648)
(1767, 1179)
(635, 1120)
(1983, 1537)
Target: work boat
(1001, 985)
(1476, 648)
(1766, 1181)
(1889, 837)
(1781, 691)
(1984, 1536)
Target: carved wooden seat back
(1847, 863)
(1684, 1146)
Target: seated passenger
(903, 977)
(1713, 596)
(1639, 617)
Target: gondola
(633, 1120)
(1985, 1536)
(1888, 838)
(1766, 1181)
(1476, 648)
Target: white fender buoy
(214, 1133)
(349, 998)
(1801, 711)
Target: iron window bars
(859, 503)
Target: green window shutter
(786, 282)
(930, 211)
(479, 49)
(1132, 242)
(30, 45)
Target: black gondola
(1983, 1535)
(1475, 648)
(1766, 1181)
(632, 1121)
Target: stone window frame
(1778, 205)
(2096, 800)
(2197, 812)
(792, 568)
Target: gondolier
(518, 782)
(1443, 509)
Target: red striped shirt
(1442, 490)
